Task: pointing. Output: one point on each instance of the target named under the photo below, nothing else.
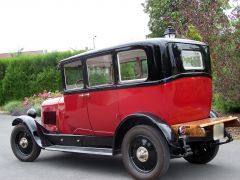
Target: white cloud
(65, 24)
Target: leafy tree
(205, 20)
(193, 33)
(227, 69)
(162, 14)
(206, 15)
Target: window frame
(65, 79)
(193, 68)
(120, 81)
(87, 72)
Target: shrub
(23, 75)
(14, 108)
(49, 79)
(224, 105)
(3, 66)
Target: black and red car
(149, 101)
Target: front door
(75, 119)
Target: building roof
(6, 55)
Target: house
(6, 55)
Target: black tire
(202, 154)
(23, 145)
(146, 139)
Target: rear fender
(137, 119)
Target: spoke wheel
(145, 152)
(23, 145)
(202, 154)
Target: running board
(84, 150)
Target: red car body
(101, 112)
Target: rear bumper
(205, 128)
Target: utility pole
(94, 37)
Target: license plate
(218, 131)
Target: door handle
(84, 95)
(87, 94)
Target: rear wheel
(202, 154)
(145, 152)
(23, 145)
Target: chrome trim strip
(84, 150)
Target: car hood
(53, 101)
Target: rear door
(102, 98)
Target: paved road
(61, 166)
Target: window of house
(132, 65)
(73, 75)
(100, 70)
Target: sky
(57, 25)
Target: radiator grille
(49, 117)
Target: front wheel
(202, 154)
(23, 145)
(145, 152)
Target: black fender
(34, 128)
(138, 119)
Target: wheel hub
(142, 154)
(23, 142)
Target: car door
(75, 119)
(102, 100)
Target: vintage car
(149, 101)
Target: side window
(132, 65)
(100, 70)
(192, 59)
(73, 73)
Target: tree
(205, 20)
(162, 14)
(193, 33)
(207, 16)
(227, 69)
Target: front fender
(33, 126)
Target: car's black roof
(152, 41)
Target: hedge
(23, 75)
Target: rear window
(192, 60)
(189, 57)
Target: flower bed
(16, 108)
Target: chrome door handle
(84, 95)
